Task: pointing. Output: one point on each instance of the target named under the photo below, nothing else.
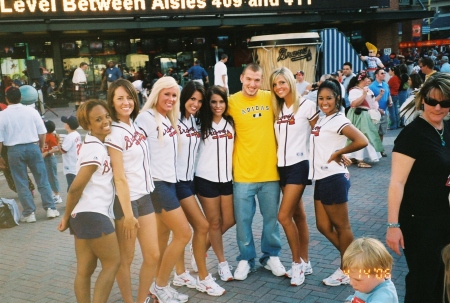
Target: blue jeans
(393, 113)
(51, 165)
(69, 179)
(268, 194)
(19, 157)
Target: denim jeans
(393, 113)
(69, 179)
(20, 156)
(268, 194)
(51, 165)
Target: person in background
(79, 81)
(51, 164)
(220, 72)
(369, 267)
(394, 86)
(347, 73)
(21, 128)
(112, 73)
(383, 96)
(89, 207)
(445, 66)
(197, 73)
(301, 84)
(70, 147)
(426, 66)
(418, 218)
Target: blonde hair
(368, 254)
(446, 259)
(152, 100)
(278, 102)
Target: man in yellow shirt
(255, 173)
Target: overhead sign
(49, 9)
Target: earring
(421, 106)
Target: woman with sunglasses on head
(158, 120)
(327, 165)
(192, 98)
(294, 116)
(133, 208)
(362, 99)
(418, 196)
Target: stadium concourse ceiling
(108, 23)
(48, 17)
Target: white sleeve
(68, 143)
(354, 94)
(115, 140)
(91, 154)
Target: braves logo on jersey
(136, 138)
(168, 130)
(189, 132)
(106, 167)
(315, 131)
(217, 134)
(290, 119)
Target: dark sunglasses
(433, 102)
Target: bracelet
(393, 225)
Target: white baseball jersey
(215, 153)
(71, 146)
(130, 141)
(163, 151)
(292, 132)
(325, 139)
(98, 195)
(189, 140)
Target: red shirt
(394, 85)
(50, 141)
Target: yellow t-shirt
(255, 151)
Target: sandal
(364, 165)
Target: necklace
(441, 134)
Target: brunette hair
(131, 91)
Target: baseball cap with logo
(71, 121)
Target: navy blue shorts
(295, 174)
(185, 189)
(141, 207)
(332, 189)
(209, 189)
(90, 225)
(164, 196)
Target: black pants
(424, 237)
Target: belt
(363, 109)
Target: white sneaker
(274, 265)
(31, 218)
(210, 286)
(185, 279)
(337, 278)
(193, 263)
(298, 274)
(163, 294)
(57, 199)
(307, 268)
(242, 270)
(178, 296)
(225, 271)
(52, 213)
